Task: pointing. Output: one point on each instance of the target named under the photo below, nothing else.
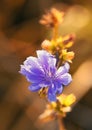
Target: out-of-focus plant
(48, 73)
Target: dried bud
(47, 116)
(52, 18)
(58, 109)
(68, 40)
(46, 44)
(49, 46)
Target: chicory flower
(42, 72)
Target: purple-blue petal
(47, 60)
(51, 96)
(63, 69)
(34, 87)
(67, 66)
(31, 77)
(31, 61)
(59, 86)
(60, 89)
(52, 90)
(66, 79)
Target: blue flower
(42, 72)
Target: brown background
(20, 36)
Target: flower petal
(66, 79)
(34, 87)
(63, 69)
(51, 97)
(67, 66)
(46, 59)
(31, 61)
(58, 85)
(33, 64)
(31, 77)
(52, 93)
(59, 90)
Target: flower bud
(68, 40)
(46, 44)
(67, 56)
(52, 18)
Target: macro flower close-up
(43, 73)
(46, 65)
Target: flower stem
(55, 32)
(61, 124)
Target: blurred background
(20, 36)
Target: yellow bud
(61, 98)
(67, 100)
(67, 56)
(46, 44)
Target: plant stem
(55, 32)
(61, 124)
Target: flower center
(50, 76)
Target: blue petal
(52, 93)
(66, 79)
(59, 90)
(67, 66)
(63, 69)
(58, 85)
(52, 88)
(51, 97)
(22, 70)
(31, 77)
(31, 61)
(47, 60)
(34, 87)
(37, 71)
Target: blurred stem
(55, 32)
(59, 63)
(61, 124)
